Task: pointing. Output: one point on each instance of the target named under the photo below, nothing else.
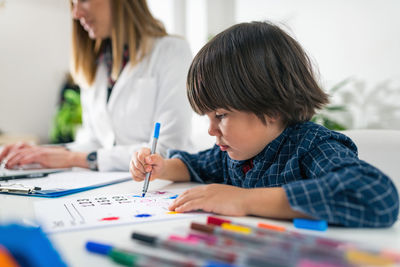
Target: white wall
(357, 38)
(34, 57)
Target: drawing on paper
(83, 213)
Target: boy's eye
(220, 116)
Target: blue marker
(137, 258)
(153, 150)
(121, 256)
(319, 225)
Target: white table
(71, 244)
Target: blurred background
(355, 44)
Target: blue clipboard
(52, 193)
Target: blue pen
(153, 150)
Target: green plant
(68, 118)
(325, 116)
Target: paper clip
(3, 165)
(21, 189)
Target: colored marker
(153, 150)
(6, 259)
(217, 221)
(279, 232)
(136, 258)
(228, 232)
(242, 256)
(256, 251)
(229, 235)
(272, 238)
(271, 227)
(223, 242)
(363, 258)
(263, 228)
(180, 246)
(318, 225)
(262, 231)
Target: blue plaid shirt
(319, 170)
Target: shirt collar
(268, 154)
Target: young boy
(255, 83)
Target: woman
(125, 62)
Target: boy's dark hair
(255, 67)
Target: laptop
(27, 171)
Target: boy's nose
(213, 131)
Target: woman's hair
(132, 24)
(258, 68)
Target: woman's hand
(48, 157)
(143, 162)
(12, 149)
(216, 198)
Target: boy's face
(242, 135)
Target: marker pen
(135, 258)
(278, 232)
(262, 229)
(188, 248)
(6, 259)
(250, 254)
(207, 240)
(219, 231)
(318, 225)
(268, 250)
(243, 256)
(153, 150)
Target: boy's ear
(275, 119)
(272, 119)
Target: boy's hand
(217, 198)
(143, 162)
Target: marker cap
(124, 258)
(319, 225)
(98, 248)
(202, 227)
(145, 238)
(157, 130)
(216, 220)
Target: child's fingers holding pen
(142, 154)
(155, 165)
(137, 165)
(137, 175)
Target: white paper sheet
(106, 210)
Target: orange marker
(6, 259)
(271, 227)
